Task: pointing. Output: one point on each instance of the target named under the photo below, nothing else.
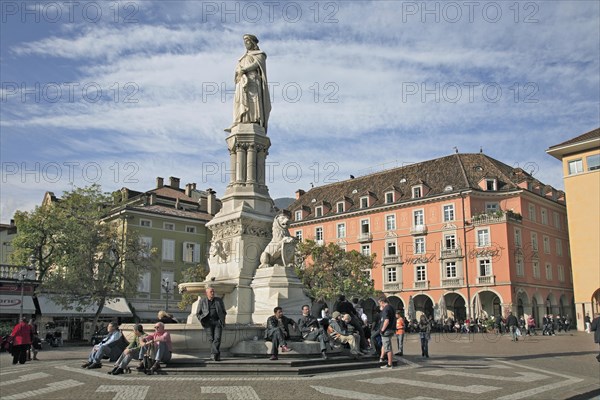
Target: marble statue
(251, 103)
(280, 249)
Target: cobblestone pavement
(461, 366)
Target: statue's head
(282, 219)
(251, 42)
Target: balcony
(486, 280)
(365, 237)
(422, 285)
(455, 252)
(496, 218)
(387, 260)
(418, 230)
(392, 287)
(16, 272)
(452, 282)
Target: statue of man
(251, 103)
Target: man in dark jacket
(595, 327)
(512, 324)
(310, 330)
(211, 313)
(277, 331)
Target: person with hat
(132, 351)
(338, 330)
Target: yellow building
(581, 168)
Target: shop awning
(11, 304)
(116, 307)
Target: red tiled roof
(448, 174)
(170, 211)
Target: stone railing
(486, 280)
(495, 218)
(391, 287)
(451, 253)
(452, 282)
(424, 285)
(418, 230)
(15, 271)
(365, 237)
(391, 260)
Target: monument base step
(285, 366)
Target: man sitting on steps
(103, 348)
(277, 331)
(339, 330)
(310, 330)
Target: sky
(118, 93)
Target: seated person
(310, 330)
(277, 331)
(166, 318)
(341, 331)
(132, 351)
(104, 348)
(159, 345)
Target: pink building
(462, 235)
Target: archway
(520, 310)
(534, 310)
(596, 302)
(551, 305)
(490, 303)
(397, 303)
(369, 308)
(423, 305)
(456, 306)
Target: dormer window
(298, 215)
(339, 207)
(490, 184)
(417, 192)
(364, 202)
(389, 197)
(319, 211)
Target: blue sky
(118, 93)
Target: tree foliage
(197, 273)
(328, 271)
(83, 256)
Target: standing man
(310, 330)
(512, 324)
(211, 314)
(388, 329)
(277, 331)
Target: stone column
(241, 163)
(251, 164)
(261, 157)
(232, 165)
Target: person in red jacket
(21, 335)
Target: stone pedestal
(277, 286)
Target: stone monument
(251, 248)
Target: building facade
(458, 236)
(581, 169)
(171, 223)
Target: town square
(262, 200)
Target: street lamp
(168, 289)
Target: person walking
(512, 324)
(21, 335)
(400, 328)
(211, 314)
(424, 328)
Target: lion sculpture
(280, 249)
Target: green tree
(197, 273)
(82, 252)
(328, 271)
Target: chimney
(12, 222)
(211, 202)
(188, 189)
(174, 182)
(299, 193)
(160, 182)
